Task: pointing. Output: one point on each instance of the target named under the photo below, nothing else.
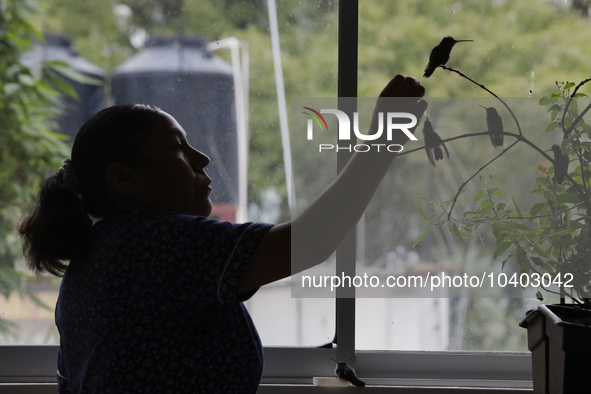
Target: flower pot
(561, 349)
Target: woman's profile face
(173, 177)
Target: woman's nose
(200, 160)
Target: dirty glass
(211, 65)
(520, 50)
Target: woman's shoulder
(148, 219)
(147, 224)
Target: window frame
(284, 365)
(291, 365)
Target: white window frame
(290, 370)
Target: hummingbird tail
(429, 70)
(430, 156)
(438, 153)
(498, 140)
(559, 174)
(356, 382)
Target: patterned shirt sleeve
(154, 308)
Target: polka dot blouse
(154, 309)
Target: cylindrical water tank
(179, 75)
(90, 97)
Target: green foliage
(28, 147)
(395, 37)
(512, 40)
(308, 33)
(554, 236)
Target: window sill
(417, 383)
(303, 389)
(50, 388)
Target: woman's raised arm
(355, 185)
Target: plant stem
(449, 139)
(566, 108)
(518, 137)
(580, 156)
(572, 126)
(476, 173)
(488, 90)
(570, 179)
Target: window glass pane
(109, 34)
(308, 39)
(520, 49)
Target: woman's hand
(323, 225)
(403, 86)
(398, 96)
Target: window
(518, 47)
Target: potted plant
(559, 336)
(550, 243)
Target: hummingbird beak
(482, 106)
(464, 40)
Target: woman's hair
(59, 227)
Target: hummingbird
(560, 164)
(495, 126)
(344, 371)
(433, 142)
(440, 54)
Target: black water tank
(179, 75)
(90, 97)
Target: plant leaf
(569, 198)
(512, 225)
(421, 211)
(76, 75)
(423, 234)
(546, 100)
(478, 195)
(551, 127)
(501, 248)
(454, 230)
(537, 208)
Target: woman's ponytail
(58, 228)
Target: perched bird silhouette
(495, 126)
(433, 143)
(440, 54)
(560, 164)
(344, 371)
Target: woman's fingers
(392, 85)
(403, 86)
